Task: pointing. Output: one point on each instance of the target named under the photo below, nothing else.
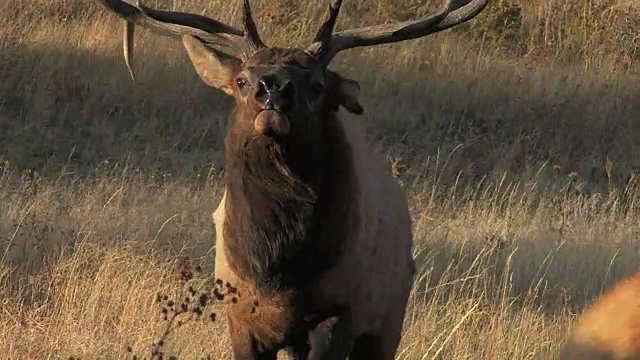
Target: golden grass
(516, 137)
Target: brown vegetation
(515, 136)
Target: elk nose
(274, 92)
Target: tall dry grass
(517, 137)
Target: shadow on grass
(487, 119)
(76, 110)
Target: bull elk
(313, 231)
(610, 328)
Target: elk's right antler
(212, 33)
(328, 44)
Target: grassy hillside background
(517, 137)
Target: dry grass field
(516, 136)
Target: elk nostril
(268, 82)
(262, 88)
(262, 93)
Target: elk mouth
(271, 122)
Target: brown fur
(286, 221)
(610, 328)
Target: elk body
(610, 328)
(313, 233)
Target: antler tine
(396, 32)
(177, 24)
(127, 45)
(252, 36)
(461, 15)
(326, 29)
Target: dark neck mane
(287, 213)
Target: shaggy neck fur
(287, 212)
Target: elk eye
(241, 83)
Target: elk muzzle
(272, 122)
(274, 95)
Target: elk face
(277, 91)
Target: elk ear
(349, 90)
(216, 69)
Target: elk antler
(176, 24)
(327, 45)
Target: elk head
(278, 91)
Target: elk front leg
(332, 339)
